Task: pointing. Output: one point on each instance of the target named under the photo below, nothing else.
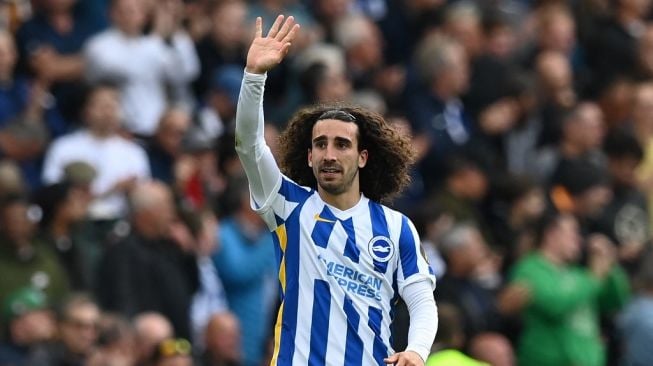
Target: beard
(336, 186)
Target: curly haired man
(344, 258)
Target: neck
(342, 201)
(551, 256)
(569, 150)
(99, 134)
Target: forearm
(423, 317)
(256, 157)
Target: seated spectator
(115, 345)
(562, 302)
(143, 66)
(636, 320)
(468, 257)
(50, 46)
(223, 340)
(147, 270)
(225, 43)
(23, 135)
(23, 260)
(625, 220)
(493, 348)
(28, 321)
(77, 319)
(119, 163)
(151, 329)
(63, 208)
(166, 144)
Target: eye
(320, 144)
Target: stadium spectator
(143, 66)
(147, 270)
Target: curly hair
(390, 154)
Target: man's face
(567, 239)
(334, 155)
(103, 111)
(79, 329)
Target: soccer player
(343, 257)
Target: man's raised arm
(264, 53)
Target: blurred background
(126, 236)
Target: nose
(330, 153)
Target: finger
(285, 48)
(275, 27)
(291, 35)
(259, 27)
(287, 25)
(391, 360)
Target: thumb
(392, 359)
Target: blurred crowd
(126, 233)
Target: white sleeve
(423, 317)
(262, 170)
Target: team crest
(381, 248)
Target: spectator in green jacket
(23, 260)
(561, 301)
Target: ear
(310, 155)
(362, 158)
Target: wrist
(422, 354)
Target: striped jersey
(340, 273)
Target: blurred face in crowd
(469, 182)
(176, 361)
(645, 52)
(78, 329)
(466, 257)
(16, 223)
(154, 210)
(530, 206)
(333, 87)
(564, 239)
(129, 16)
(172, 129)
(103, 111)
(554, 71)
(622, 170)
(466, 29)
(557, 31)
(454, 77)
(586, 131)
(500, 41)
(229, 24)
(32, 327)
(74, 207)
(367, 51)
(643, 107)
(7, 56)
(331, 10)
(223, 337)
(592, 202)
(639, 7)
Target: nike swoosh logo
(318, 218)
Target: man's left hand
(407, 358)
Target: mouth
(330, 171)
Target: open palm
(267, 52)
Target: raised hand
(267, 52)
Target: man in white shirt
(344, 258)
(143, 65)
(119, 162)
